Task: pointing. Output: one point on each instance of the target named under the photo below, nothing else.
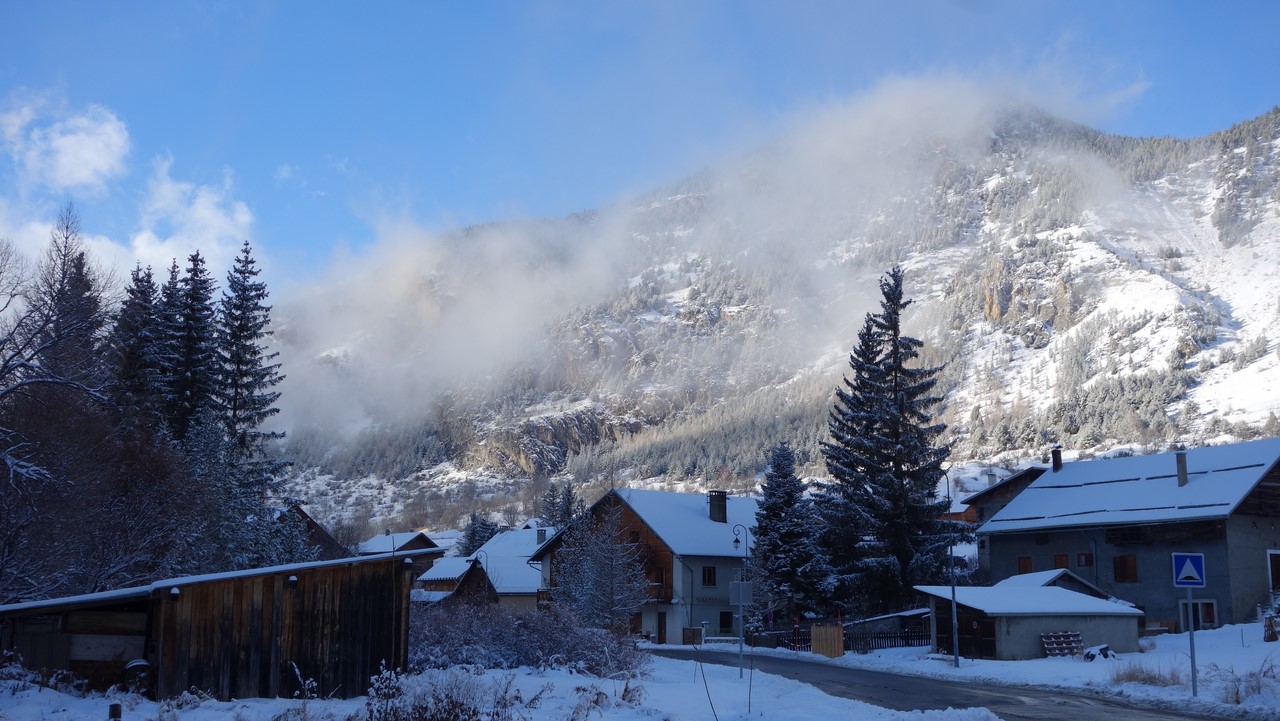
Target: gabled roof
(505, 559)
(447, 569)
(683, 522)
(1026, 475)
(1040, 579)
(1035, 579)
(1139, 489)
(392, 542)
(1030, 601)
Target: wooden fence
(868, 642)
(856, 643)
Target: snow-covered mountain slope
(1080, 288)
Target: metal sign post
(1188, 573)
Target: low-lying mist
(806, 225)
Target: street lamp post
(951, 554)
(742, 586)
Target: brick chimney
(1181, 459)
(719, 503)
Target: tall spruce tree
(786, 553)
(188, 315)
(135, 352)
(885, 515)
(477, 533)
(246, 374)
(562, 505)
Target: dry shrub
(1137, 672)
(1236, 688)
(492, 637)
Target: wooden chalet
(233, 635)
(455, 580)
(690, 558)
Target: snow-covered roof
(1030, 601)
(911, 613)
(391, 542)
(505, 559)
(1045, 578)
(683, 522)
(419, 595)
(1032, 580)
(143, 591)
(446, 569)
(1139, 489)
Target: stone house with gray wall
(1116, 522)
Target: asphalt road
(908, 693)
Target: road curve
(910, 693)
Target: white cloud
(180, 217)
(63, 150)
(285, 173)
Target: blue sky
(304, 126)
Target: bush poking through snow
(451, 695)
(1137, 672)
(1236, 688)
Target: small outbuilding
(233, 635)
(1010, 622)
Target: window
(1205, 614)
(1126, 569)
(1024, 564)
(1059, 560)
(1084, 559)
(708, 575)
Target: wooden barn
(233, 635)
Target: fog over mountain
(1081, 288)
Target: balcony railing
(660, 593)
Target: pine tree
(245, 373)
(478, 532)
(188, 314)
(561, 505)
(885, 462)
(786, 553)
(135, 352)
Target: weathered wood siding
(242, 636)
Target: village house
(505, 559)
(1116, 523)
(424, 550)
(691, 558)
(454, 580)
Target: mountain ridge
(1080, 288)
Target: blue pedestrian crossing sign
(1188, 570)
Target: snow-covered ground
(1237, 679)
